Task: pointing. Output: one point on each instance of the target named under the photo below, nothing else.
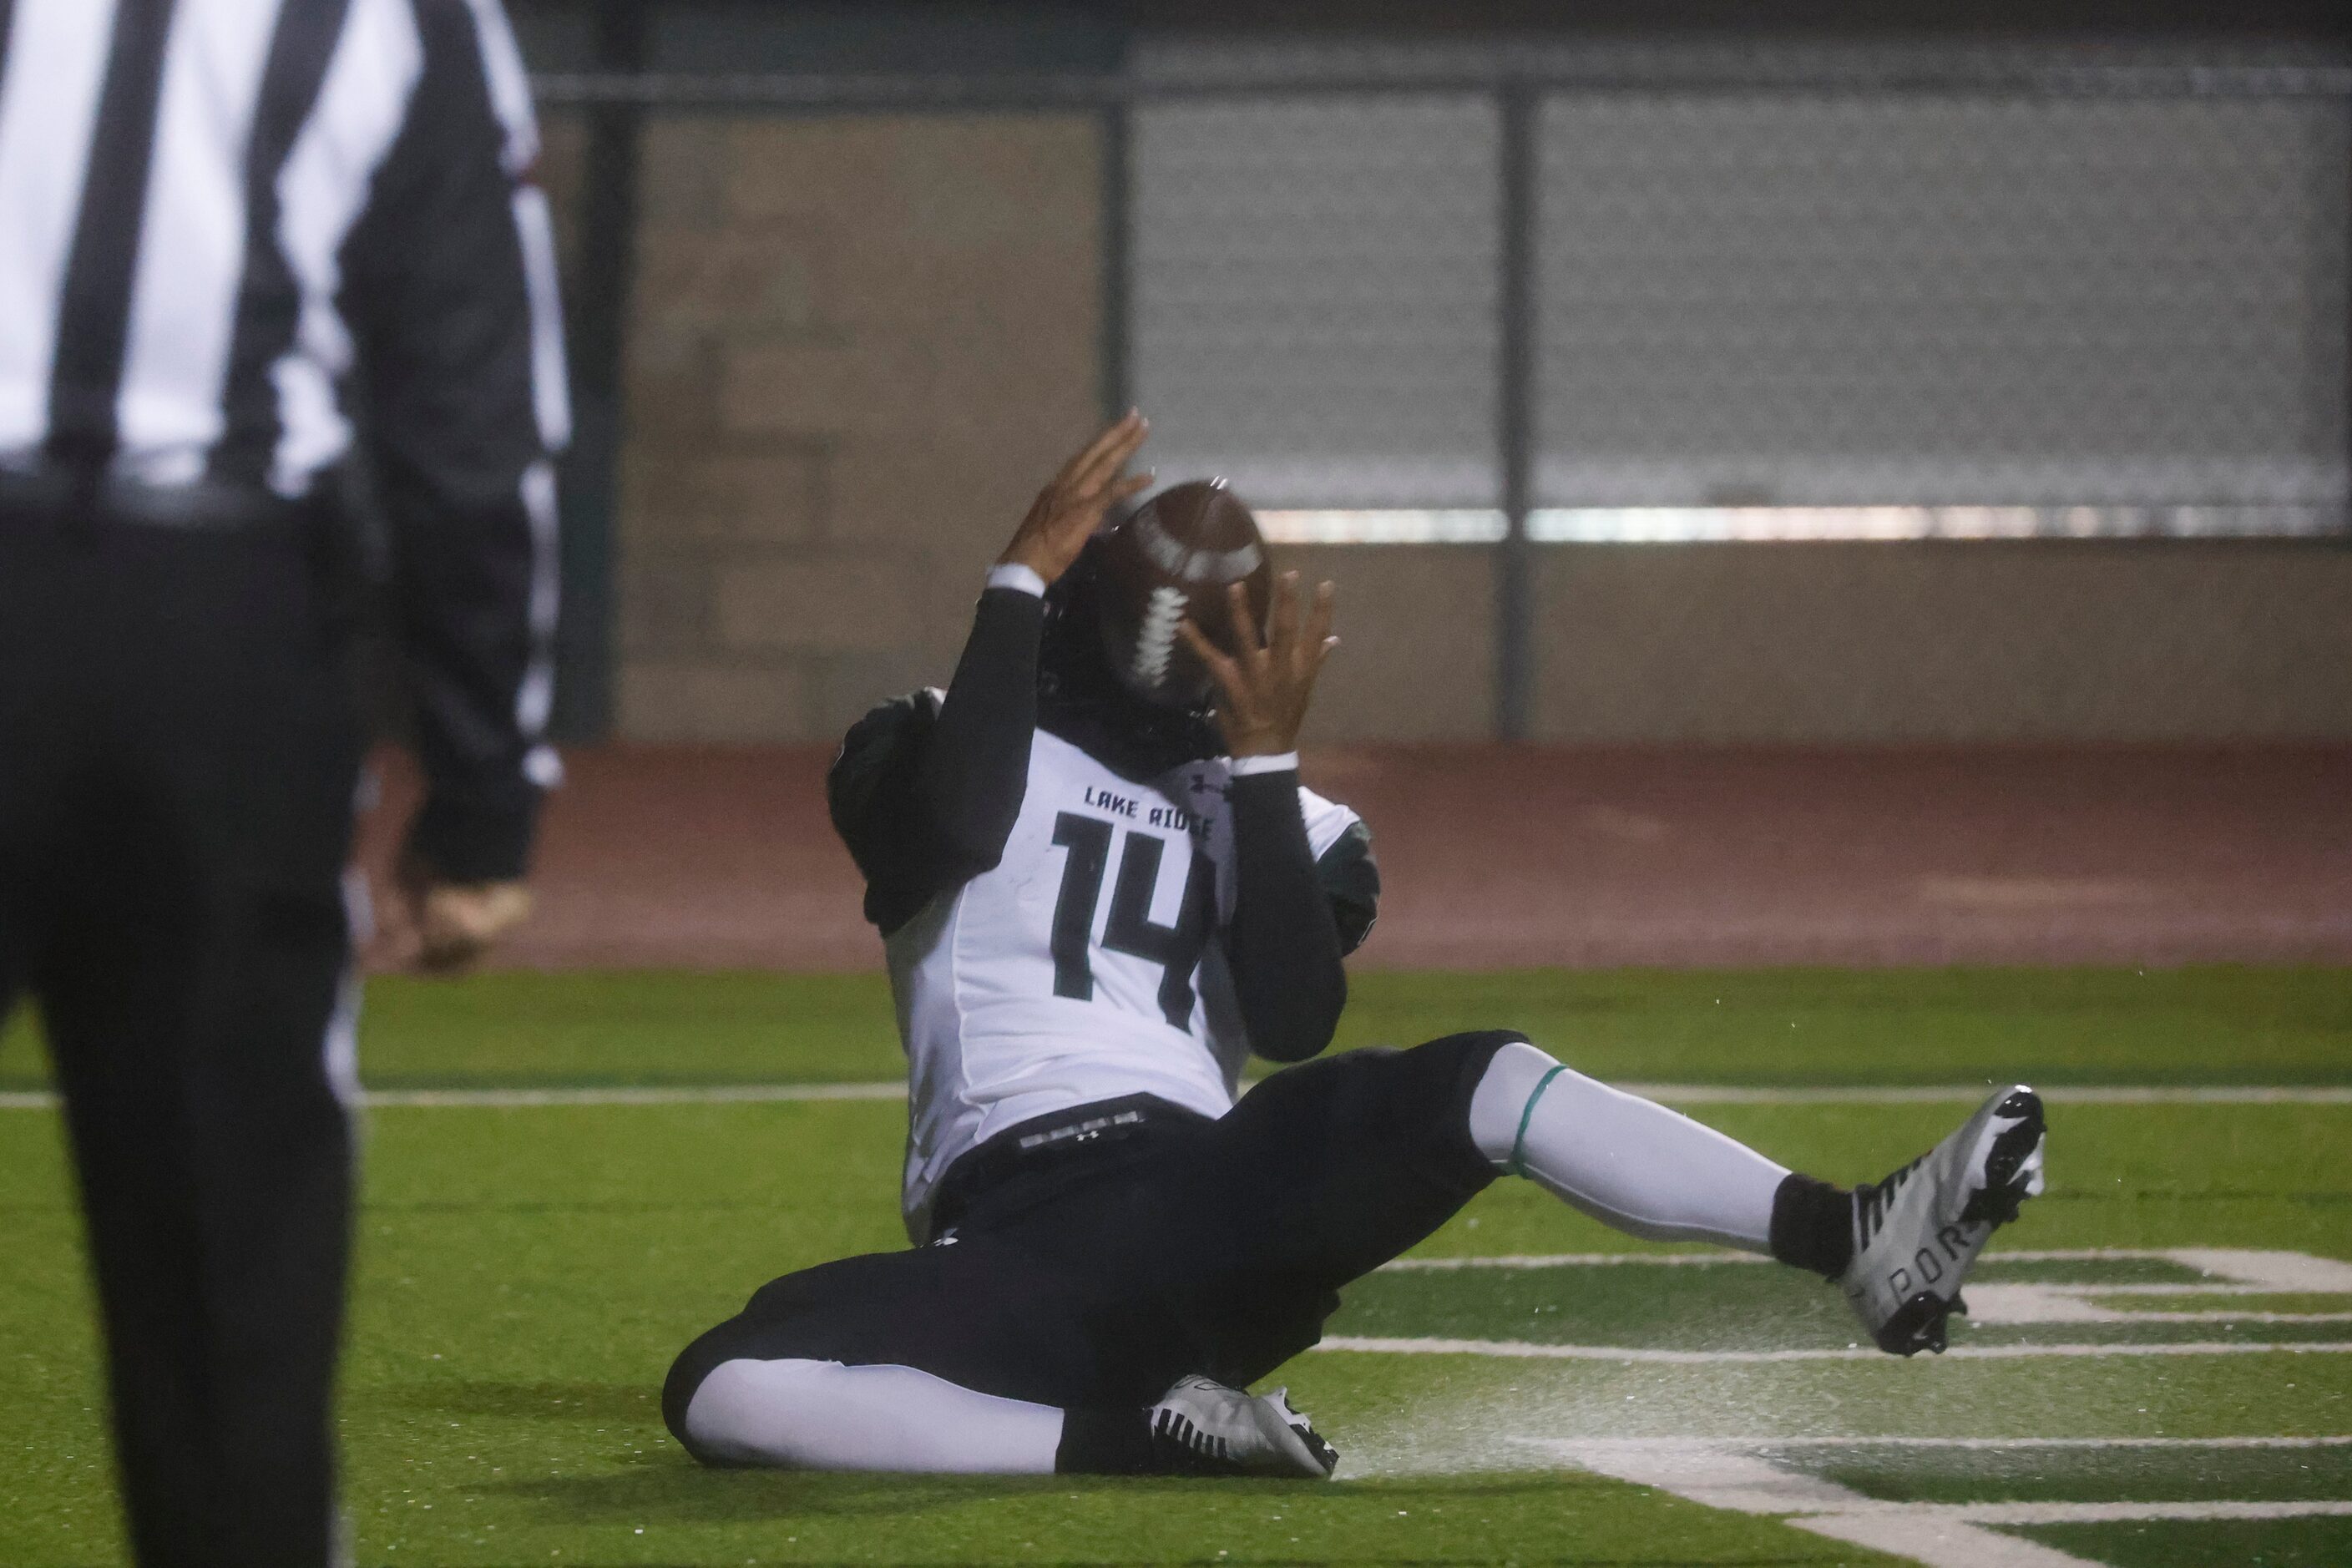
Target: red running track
(1505, 856)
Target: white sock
(823, 1415)
(1625, 1161)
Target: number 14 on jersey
(1130, 930)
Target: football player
(1102, 888)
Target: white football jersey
(1087, 967)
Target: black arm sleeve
(1351, 879)
(973, 774)
(449, 288)
(926, 793)
(1284, 945)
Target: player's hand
(456, 922)
(1067, 511)
(1267, 685)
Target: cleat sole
(1997, 1203)
(1917, 1325)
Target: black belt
(1048, 1141)
(204, 505)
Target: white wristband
(1018, 578)
(1286, 762)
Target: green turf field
(2211, 1025)
(2160, 1371)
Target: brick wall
(858, 344)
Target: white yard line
(1923, 1094)
(1737, 1473)
(2240, 1266)
(1573, 1260)
(684, 1094)
(1938, 1543)
(528, 1099)
(1721, 1475)
(2225, 1317)
(1672, 1094)
(1703, 1259)
(2109, 1512)
(1853, 1441)
(2199, 1287)
(2228, 1269)
(1946, 1538)
(1718, 1475)
(2071, 1304)
(1730, 1474)
(2293, 1271)
(2003, 1303)
(1524, 1350)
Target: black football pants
(1196, 1246)
(178, 751)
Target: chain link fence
(1942, 299)
(1491, 292)
(1316, 291)
(1820, 293)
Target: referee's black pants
(178, 753)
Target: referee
(227, 228)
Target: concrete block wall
(858, 345)
(1416, 654)
(1870, 643)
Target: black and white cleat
(1917, 1233)
(1202, 1427)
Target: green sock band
(1517, 1164)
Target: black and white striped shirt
(218, 215)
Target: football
(1172, 560)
